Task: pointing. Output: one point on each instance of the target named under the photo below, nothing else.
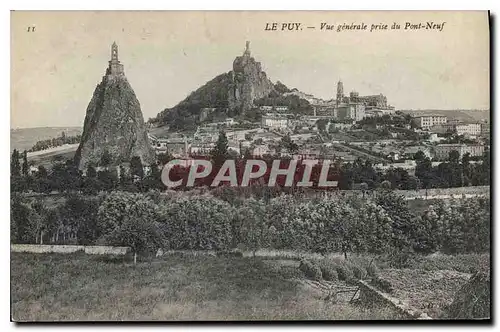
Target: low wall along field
(68, 249)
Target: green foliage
(281, 88)
(130, 220)
(220, 152)
(53, 142)
(25, 167)
(383, 284)
(321, 225)
(358, 271)
(186, 115)
(199, 223)
(288, 144)
(136, 168)
(254, 228)
(310, 269)
(79, 213)
(344, 271)
(328, 269)
(372, 270)
(15, 166)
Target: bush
(311, 270)
(372, 270)
(329, 273)
(358, 271)
(344, 272)
(472, 301)
(382, 284)
(198, 223)
(130, 220)
(328, 270)
(290, 272)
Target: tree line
(64, 175)
(180, 221)
(53, 142)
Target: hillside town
(343, 129)
(251, 199)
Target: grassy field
(77, 287)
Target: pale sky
(167, 55)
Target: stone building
(275, 121)
(351, 111)
(427, 121)
(378, 101)
(115, 67)
(442, 151)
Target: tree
(288, 144)
(132, 220)
(19, 215)
(373, 228)
(107, 179)
(25, 167)
(65, 176)
(15, 167)
(254, 230)
(106, 158)
(42, 172)
(136, 168)
(41, 182)
(402, 219)
(321, 124)
(220, 153)
(91, 172)
(419, 156)
(153, 180)
(80, 214)
(424, 172)
(386, 185)
(164, 158)
(90, 184)
(466, 169)
(364, 188)
(198, 223)
(454, 157)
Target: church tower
(340, 93)
(114, 68)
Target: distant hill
(462, 115)
(24, 138)
(227, 95)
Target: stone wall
(106, 250)
(42, 248)
(369, 294)
(68, 249)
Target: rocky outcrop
(249, 82)
(114, 122)
(228, 94)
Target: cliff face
(114, 123)
(249, 83)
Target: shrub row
(203, 222)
